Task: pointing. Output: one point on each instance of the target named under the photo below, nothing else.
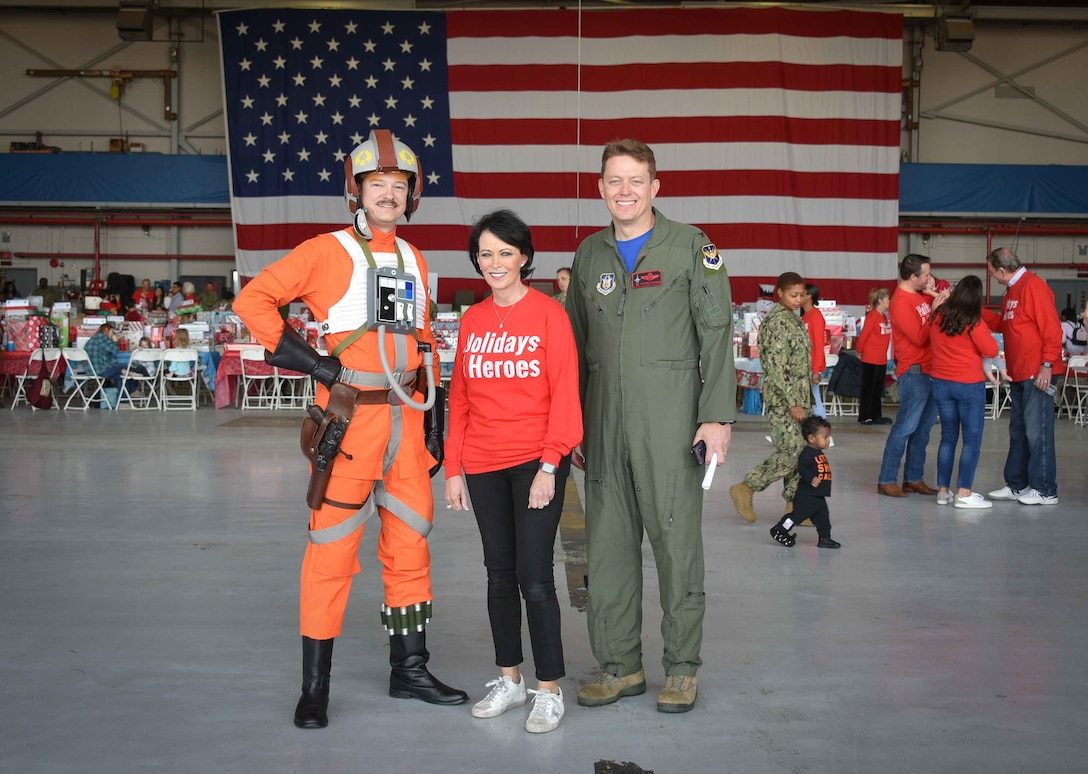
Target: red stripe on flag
(280, 236)
(737, 236)
(560, 131)
(674, 21)
(808, 185)
(669, 76)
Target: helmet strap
(362, 228)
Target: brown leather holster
(323, 432)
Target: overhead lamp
(955, 33)
(135, 18)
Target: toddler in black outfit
(813, 489)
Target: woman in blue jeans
(959, 341)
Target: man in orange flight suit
(386, 461)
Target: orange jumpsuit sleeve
(295, 276)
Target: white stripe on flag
(607, 52)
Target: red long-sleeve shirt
(817, 331)
(909, 313)
(1030, 324)
(874, 338)
(514, 394)
(959, 358)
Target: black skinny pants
(518, 543)
(872, 391)
(814, 508)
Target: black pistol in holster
(323, 432)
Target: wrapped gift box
(26, 334)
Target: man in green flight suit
(650, 305)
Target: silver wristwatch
(547, 467)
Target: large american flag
(776, 131)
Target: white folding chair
(840, 405)
(89, 386)
(258, 382)
(147, 395)
(1075, 390)
(831, 402)
(52, 358)
(177, 385)
(293, 390)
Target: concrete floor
(149, 568)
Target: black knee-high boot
(313, 705)
(410, 679)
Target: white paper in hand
(710, 467)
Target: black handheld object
(434, 423)
(699, 451)
(329, 445)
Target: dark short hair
(1004, 258)
(1069, 313)
(636, 149)
(812, 424)
(563, 268)
(912, 264)
(788, 280)
(813, 292)
(508, 227)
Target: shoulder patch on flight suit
(607, 283)
(711, 259)
(646, 279)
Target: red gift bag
(40, 392)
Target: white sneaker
(768, 439)
(1033, 497)
(546, 713)
(1008, 493)
(504, 694)
(973, 500)
(944, 498)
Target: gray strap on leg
(401, 511)
(396, 423)
(347, 526)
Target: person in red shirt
(909, 312)
(515, 416)
(959, 341)
(817, 332)
(382, 464)
(1033, 357)
(145, 295)
(872, 346)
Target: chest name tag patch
(711, 259)
(607, 283)
(646, 279)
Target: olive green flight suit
(785, 353)
(642, 339)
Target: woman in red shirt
(959, 340)
(515, 415)
(873, 348)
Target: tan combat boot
(678, 695)
(609, 688)
(742, 500)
